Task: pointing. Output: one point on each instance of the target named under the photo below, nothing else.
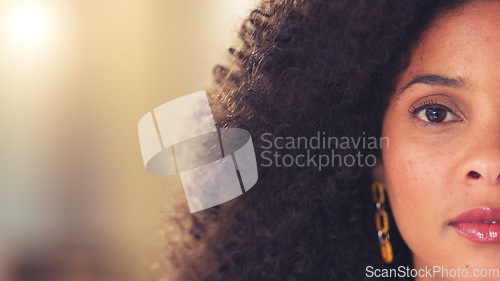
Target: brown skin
(426, 167)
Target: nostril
(473, 174)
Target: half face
(442, 167)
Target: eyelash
(429, 103)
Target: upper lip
(478, 215)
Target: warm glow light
(27, 25)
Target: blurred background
(76, 202)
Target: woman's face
(442, 166)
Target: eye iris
(435, 114)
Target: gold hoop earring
(382, 222)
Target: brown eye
(435, 114)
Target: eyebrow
(436, 80)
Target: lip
(480, 225)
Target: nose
(483, 164)
(483, 172)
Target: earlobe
(378, 171)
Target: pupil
(435, 114)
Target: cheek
(414, 170)
(406, 179)
(418, 174)
(416, 165)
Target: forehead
(460, 44)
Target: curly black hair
(305, 67)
